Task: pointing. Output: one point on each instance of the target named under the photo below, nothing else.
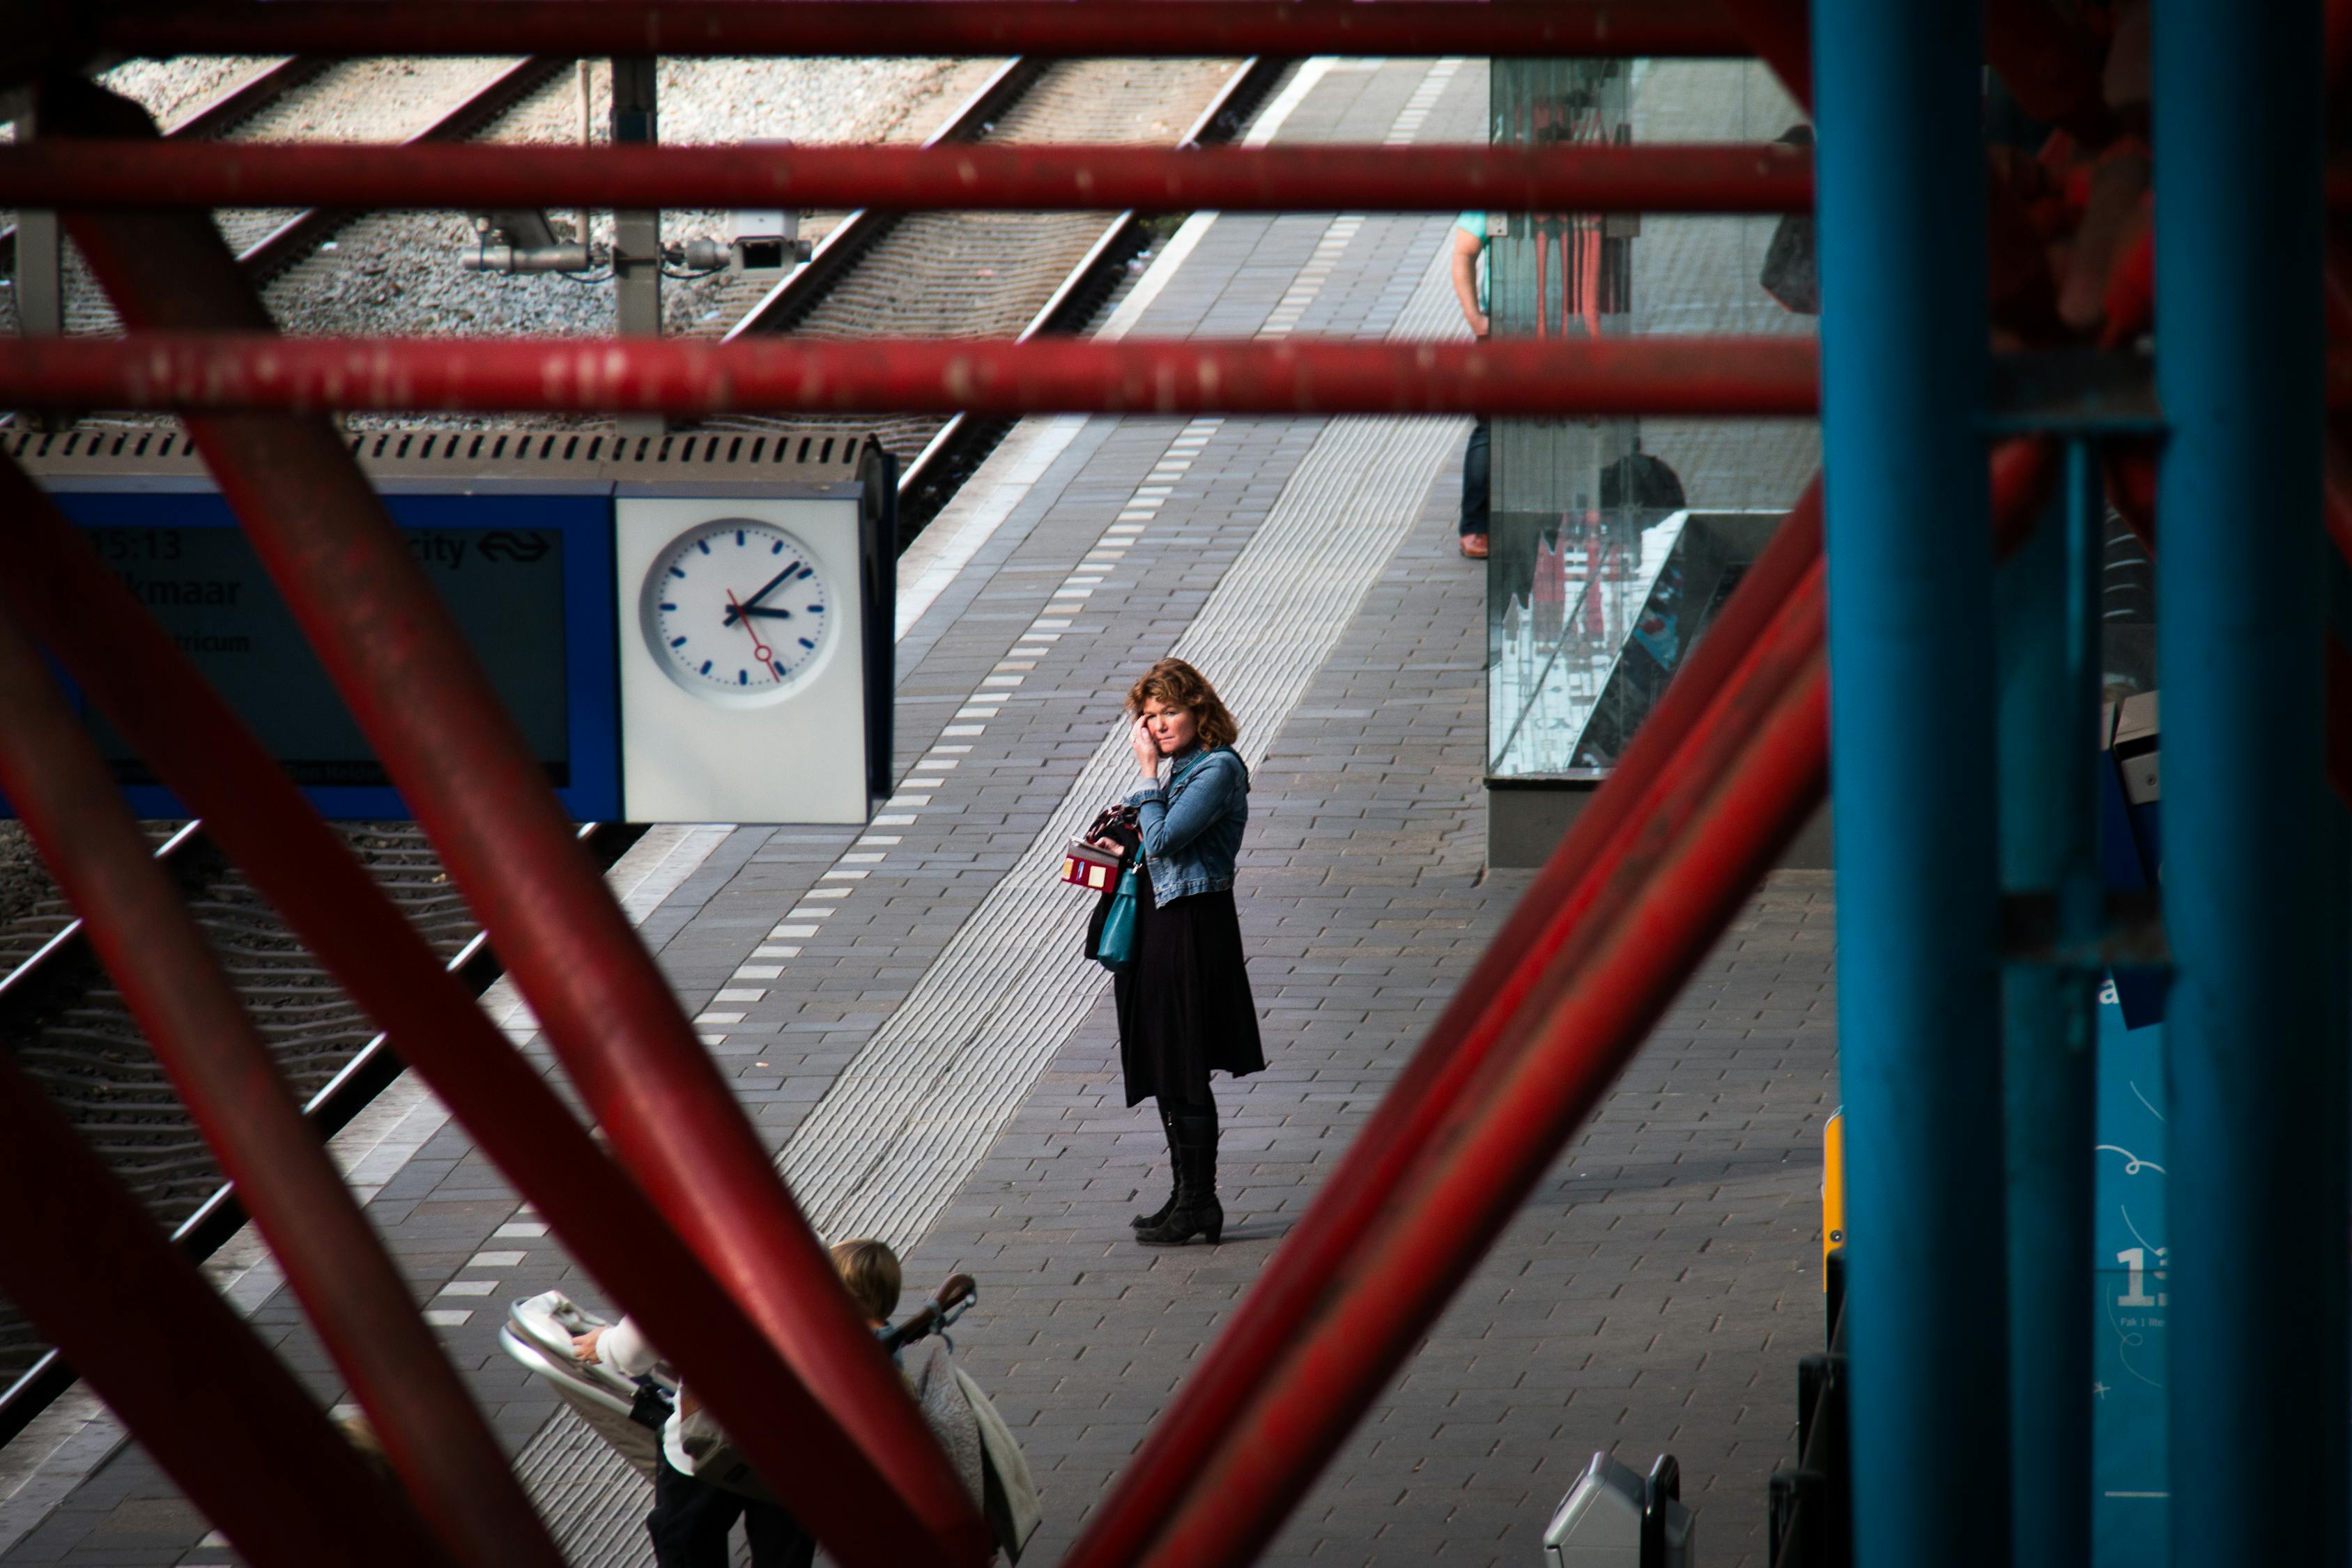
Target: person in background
(1470, 288)
(690, 1518)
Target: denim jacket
(1191, 824)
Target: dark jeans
(1475, 466)
(690, 1521)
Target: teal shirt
(1475, 224)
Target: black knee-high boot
(1197, 1211)
(1160, 1215)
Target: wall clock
(738, 612)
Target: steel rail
(243, 99)
(1518, 29)
(1249, 82)
(1734, 177)
(795, 296)
(354, 1295)
(1759, 377)
(425, 703)
(328, 1111)
(80, 1256)
(306, 231)
(240, 102)
(153, 693)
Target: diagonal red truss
(132, 669)
(425, 704)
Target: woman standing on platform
(1184, 1006)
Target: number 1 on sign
(2135, 1262)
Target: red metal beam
(356, 1299)
(227, 1422)
(1756, 376)
(1722, 178)
(402, 667)
(1556, 918)
(132, 669)
(1056, 28)
(1581, 1032)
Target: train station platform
(906, 1016)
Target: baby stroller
(629, 1414)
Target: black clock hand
(771, 612)
(733, 610)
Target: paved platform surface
(1654, 1295)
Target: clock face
(737, 612)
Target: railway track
(998, 275)
(64, 1022)
(311, 100)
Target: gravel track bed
(88, 1052)
(398, 273)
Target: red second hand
(760, 650)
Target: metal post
(586, 82)
(636, 235)
(38, 262)
(2047, 597)
(136, 1318)
(353, 1294)
(1903, 362)
(2257, 1183)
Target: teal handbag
(1116, 949)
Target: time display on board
(737, 612)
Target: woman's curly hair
(1179, 685)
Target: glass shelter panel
(1612, 542)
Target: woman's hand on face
(1146, 750)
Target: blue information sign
(528, 575)
(2130, 1250)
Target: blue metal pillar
(2047, 596)
(1900, 167)
(2257, 1183)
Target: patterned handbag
(1083, 865)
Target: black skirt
(1185, 1007)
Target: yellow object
(1833, 1190)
